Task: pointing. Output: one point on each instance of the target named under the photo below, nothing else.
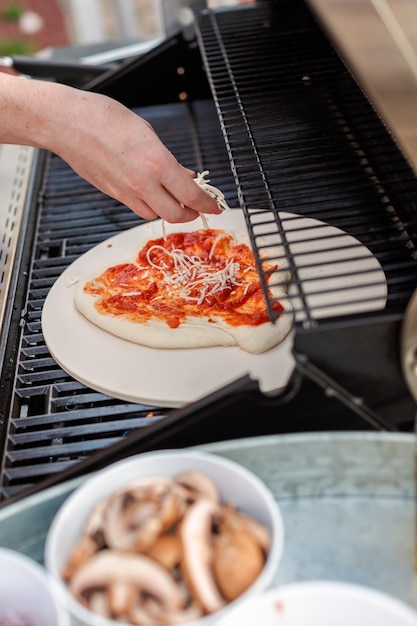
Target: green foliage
(11, 47)
(12, 12)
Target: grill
(260, 97)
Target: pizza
(187, 290)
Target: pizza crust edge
(195, 332)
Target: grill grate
(304, 139)
(56, 421)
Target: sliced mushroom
(237, 520)
(197, 560)
(139, 616)
(138, 514)
(121, 597)
(237, 562)
(167, 551)
(199, 485)
(91, 541)
(108, 568)
(83, 551)
(98, 603)
(157, 615)
(131, 524)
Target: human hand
(104, 142)
(119, 152)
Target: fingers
(163, 205)
(184, 189)
(167, 189)
(142, 209)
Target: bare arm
(105, 143)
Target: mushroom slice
(98, 603)
(137, 514)
(83, 550)
(139, 617)
(108, 568)
(91, 541)
(121, 598)
(197, 560)
(199, 485)
(238, 560)
(167, 551)
(237, 520)
(157, 615)
(131, 524)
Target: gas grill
(260, 96)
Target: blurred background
(28, 27)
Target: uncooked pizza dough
(194, 328)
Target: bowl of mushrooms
(167, 537)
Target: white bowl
(27, 594)
(321, 603)
(236, 485)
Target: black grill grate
(56, 421)
(304, 139)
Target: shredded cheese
(204, 220)
(193, 279)
(212, 191)
(191, 274)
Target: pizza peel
(173, 378)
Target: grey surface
(347, 501)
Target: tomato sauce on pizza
(204, 273)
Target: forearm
(66, 120)
(103, 141)
(26, 109)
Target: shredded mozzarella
(215, 242)
(212, 191)
(204, 220)
(190, 274)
